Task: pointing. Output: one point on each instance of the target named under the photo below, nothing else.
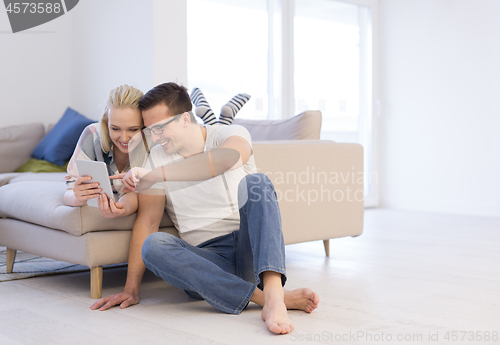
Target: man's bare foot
(275, 316)
(302, 299)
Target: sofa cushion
(7, 177)
(306, 125)
(38, 177)
(58, 145)
(42, 203)
(17, 143)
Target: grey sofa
(318, 200)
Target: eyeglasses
(158, 129)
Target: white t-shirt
(202, 210)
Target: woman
(116, 140)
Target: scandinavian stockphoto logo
(26, 15)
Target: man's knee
(155, 244)
(253, 187)
(257, 179)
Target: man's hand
(109, 208)
(85, 191)
(118, 176)
(140, 179)
(124, 299)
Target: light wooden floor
(409, 275)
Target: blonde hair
(123, 96)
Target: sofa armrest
(17, 143)
(41, 202)
(7, 177)
(319, 185)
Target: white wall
(440, 87)
(137, 42)
(35, 70)
(75, 60)
(170, 41)
(111, 44)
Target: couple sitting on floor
(231, 249)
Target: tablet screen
(99, 173)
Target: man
(231, 249)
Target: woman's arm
(125, 206)
(81, 192)
(70, 199)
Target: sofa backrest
(306, 125)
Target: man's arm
(241, 145)
(234, 152)
(149, 215)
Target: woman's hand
(85, 191)
(109, 208)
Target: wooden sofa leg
(11, 257)
(96, 282)
(327, 247)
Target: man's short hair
(174, 96)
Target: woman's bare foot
(275, 315)
(302, 299)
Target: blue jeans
(225, 270)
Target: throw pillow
(59, 144)
(17, 143)
(41, 166)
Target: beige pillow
(17, 143)
(306, 125)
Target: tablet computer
(99, 173)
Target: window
(326, 45)
(227, 52)
(333, 70)
(290, 56)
